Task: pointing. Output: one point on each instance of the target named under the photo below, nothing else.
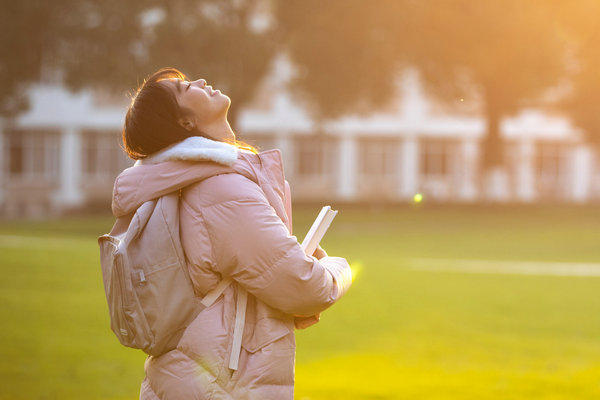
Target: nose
(200, 82)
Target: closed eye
(188, 86)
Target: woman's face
(203, 106)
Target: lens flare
(356, 268)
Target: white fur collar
(195, 148)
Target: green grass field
(401, 332)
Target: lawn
(402, 331)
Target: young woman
(235, 223)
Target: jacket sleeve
(252, 245)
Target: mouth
(211, 91)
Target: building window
(314, 156)
(33, 154)
(102, 156)
(377, 156)
(435, 157)
(15, 153)
(551, 165)
(549, 161)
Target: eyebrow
(178, 85)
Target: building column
(283, 142)
(348, 160)
(580, 173)
(525, 179)
(467, 179)
(69, 193)
(409, 168)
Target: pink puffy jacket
(235, 221)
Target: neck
(220, 131)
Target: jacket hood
(195, 148)
(147, 181)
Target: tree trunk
(492, 146)
(493, 175)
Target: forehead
(173, 84)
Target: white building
(65, 152)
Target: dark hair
(151, 122)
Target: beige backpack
(150, 296)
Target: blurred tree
(583, 104)
(20, 56)
(83, 43)
(111, 44)
(581, 21)
(346, 55)
(508, 52)
(503, 52)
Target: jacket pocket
(266, 331)
(267, 360)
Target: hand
(319, 253)
(305, 322)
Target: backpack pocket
(168, 318)
(127, 320)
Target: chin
(226, 103)
(224, 97)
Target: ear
(187, 124)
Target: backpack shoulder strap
(214, 294)
(240, 317)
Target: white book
(318, 229)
